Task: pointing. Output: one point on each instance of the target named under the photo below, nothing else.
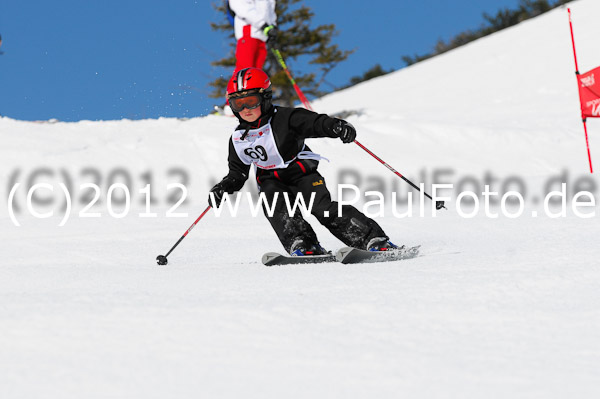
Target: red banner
(589, 89)
(589, 93)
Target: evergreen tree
(296, 40)
(374, 72)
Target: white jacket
(255, 13)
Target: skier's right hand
(217, 192)
(344, 130)
(230, 184)
(270, 32)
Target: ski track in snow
(492, 308)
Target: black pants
(352, 228)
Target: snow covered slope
(495, 307)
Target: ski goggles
(250, 101)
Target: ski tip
(342, 252)
(269, 258)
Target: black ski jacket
(291, 126)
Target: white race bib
(258, 148)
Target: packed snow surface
(495, 307)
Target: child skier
(272, 139)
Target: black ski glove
(228, 185)
(218, 191)
(271, 32)
(344, 130)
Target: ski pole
(162, 259)
(438, 204)
(301, 95)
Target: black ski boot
(301, 248)
(380, 244)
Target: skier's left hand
(344, 130)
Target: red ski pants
(250, 52)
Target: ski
(276, 259)
(348, 255)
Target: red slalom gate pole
(438, 204)
(587, 143)
(583, 118)
(573, 41)
(162, 259)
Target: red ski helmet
(251, 81)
